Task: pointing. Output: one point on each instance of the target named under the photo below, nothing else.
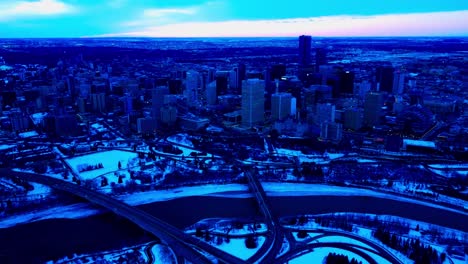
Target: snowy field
(317, 158)
(236, 247)
(181, 139)
(319, 254)
(109, 160)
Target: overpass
(269, 250)
(183, 244)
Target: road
(183, 244)
(270, 248)
(377, 249)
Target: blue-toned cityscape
(286, 149)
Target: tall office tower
(331, 131)
(85, 89)
(211, 97)
(373, 109)
(233, 82)
(158, 94)
(305, 43)
(98, 102)
(384, 79)
(398, 82)
(281, 105)
(71, 85)
(253, 106)
(361, 89)
(175, 86)
(222, 82)
(320, 58)
(324, 113)
(346, 82)
(128, 103)
(353, 118)
(241, 74)
(277, 71)
(191, 87)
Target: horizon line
(239, 37)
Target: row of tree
(412, 248)
(334, 258)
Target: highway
(269, 250)
(304, 246)
(183, 244)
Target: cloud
(155, 12)
(24, 9)
(159, 16)
(414, 24)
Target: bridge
(272, 245)
(183, 244)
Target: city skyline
(228, 18)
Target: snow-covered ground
(162, 254)
(228, 190)
(109, 160)
(39, 189)
(319, 254)
(164, 195)
(236, 247)
(343, 239)
(181, 139)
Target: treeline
(412, 248)
(334, 258)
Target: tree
(251, 242)
(302, 234)
(198, 232)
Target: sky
(232, 18)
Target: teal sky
(78, 18)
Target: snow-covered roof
(28, 134)
(419, 143)
(38, 117)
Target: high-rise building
(320, 58)
(384, 79)
(222, 82)
(128, 104)
(373, 109)
(305, 43)
(175, 86)
(168, 115)
(277, 71)
(158, 94)
(324, 113)
(98, 101)
(398, 82)
(145, 125)
(241, 74)
(253, 105)
(211, 97)
(361, 89)
(191, 87)
(281, 105)
(346, 82)
(353, 118)
(233, 88)
(331, 131)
